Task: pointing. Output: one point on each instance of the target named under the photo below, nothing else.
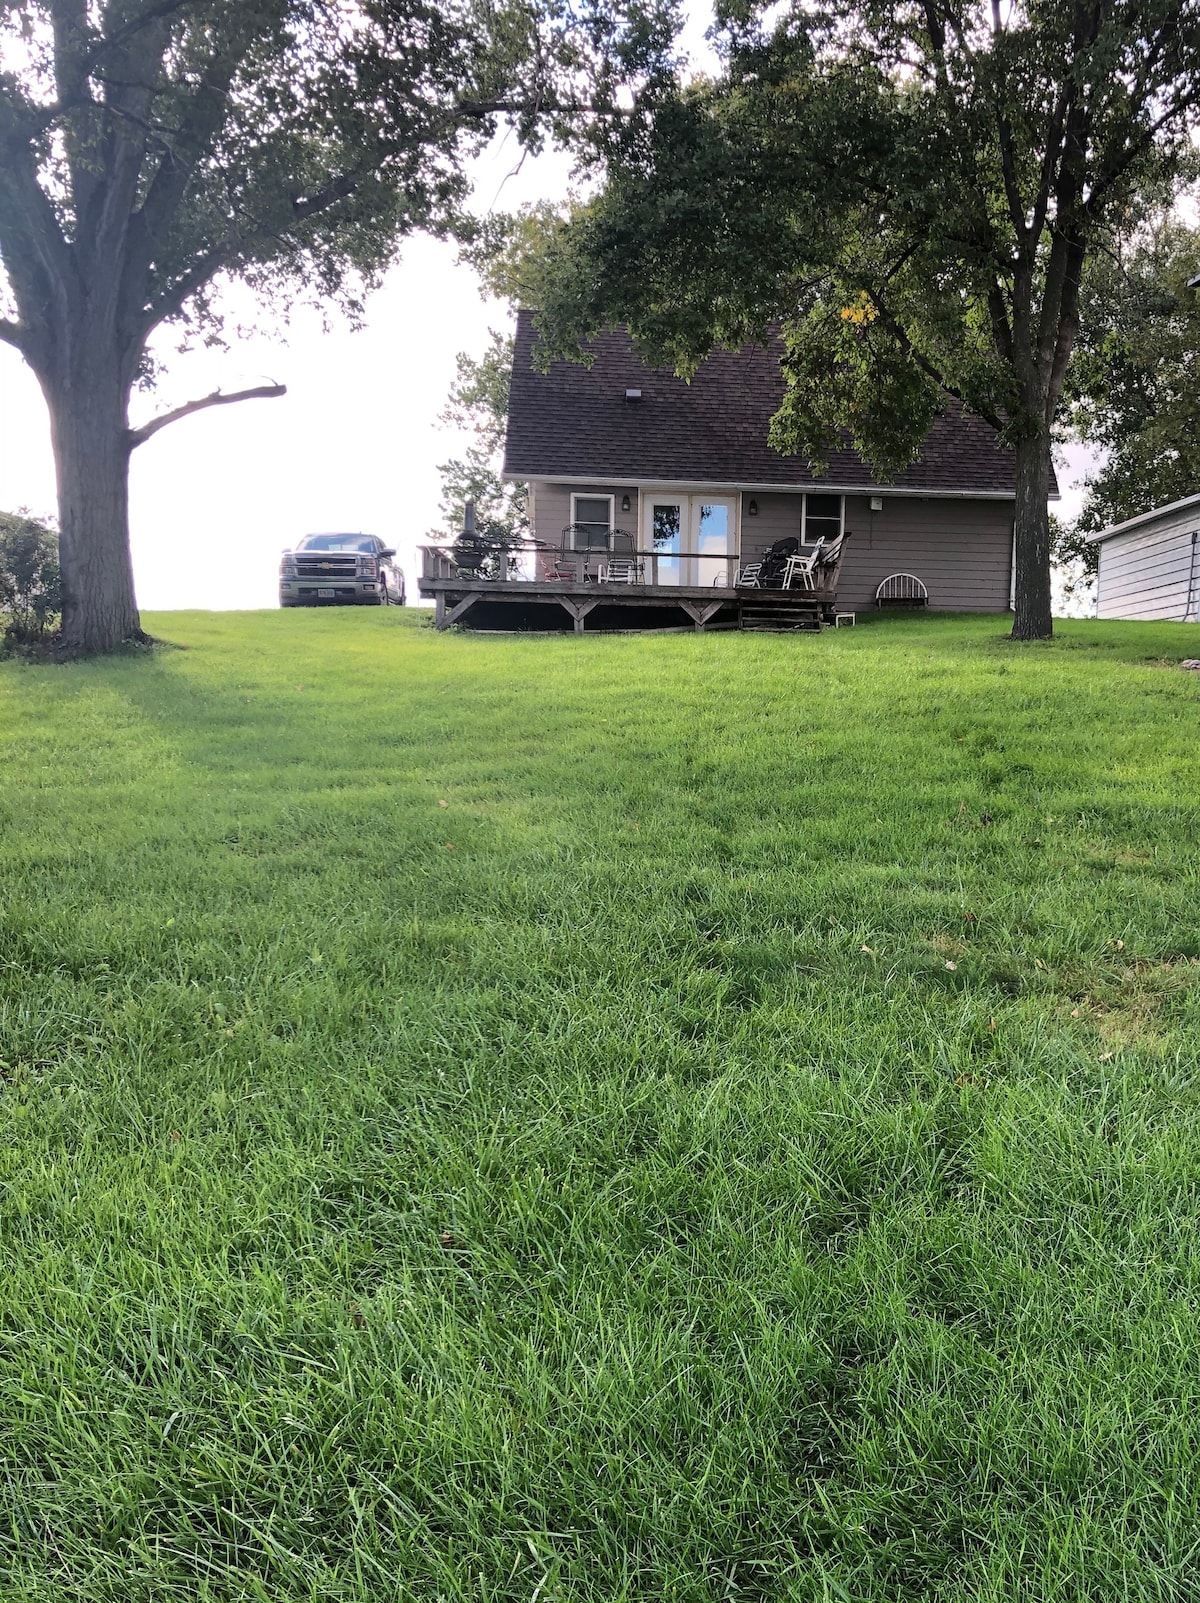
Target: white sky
(354, 445)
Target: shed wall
(1152, 571)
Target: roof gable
(575, 422)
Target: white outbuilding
(1150, 566)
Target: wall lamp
(624, 503)
(752, 508)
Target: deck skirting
(513, 604)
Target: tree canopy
(478, 402)
(1133, 392)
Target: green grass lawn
(680, 1117)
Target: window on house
(822, 518)
(592, 516)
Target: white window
(591, 522)
(822, 518)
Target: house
(625, 461)
(1150, 565)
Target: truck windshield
(338, 542)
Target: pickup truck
(340, 570)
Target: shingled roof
(575, 422)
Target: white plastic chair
(620, 570)
(798, 570)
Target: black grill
(332, 567)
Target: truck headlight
(287, 568)
(368, 567)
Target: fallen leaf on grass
(442, 803)
(949, 964)
(1104, 1057)
(991, 1024)
(450, 846)
(1074, 1012)
(869, 950)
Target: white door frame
(693, 571)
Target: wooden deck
(516, 603)
(520, 601)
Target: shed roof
(576, 422)
(1145, 517)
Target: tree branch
(313, 205)
(12, 333)
(262, 392)
(171, 302)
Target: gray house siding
(551, 512)
(961, 547)
(1150, 568)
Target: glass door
(714, 541)
(689, 539)
(665, 522)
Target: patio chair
(621, 570)
(774, 562)
(798, 569)
(747, 577)
(560, 570)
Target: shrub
(30, 594)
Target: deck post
(578, 610)
(700, 612)
(457, 611)
(439, 610)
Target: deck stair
(795, 612)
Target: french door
(689, 539)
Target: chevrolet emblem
(325, 564)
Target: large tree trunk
(89, 426)
(1032, 618)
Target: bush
(30, 592)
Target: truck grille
(328, 567)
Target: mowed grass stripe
(680, 1117)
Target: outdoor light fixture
(624, 503)
(876, 503)
(752, 509)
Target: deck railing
(525, 562)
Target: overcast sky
(354, 445)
